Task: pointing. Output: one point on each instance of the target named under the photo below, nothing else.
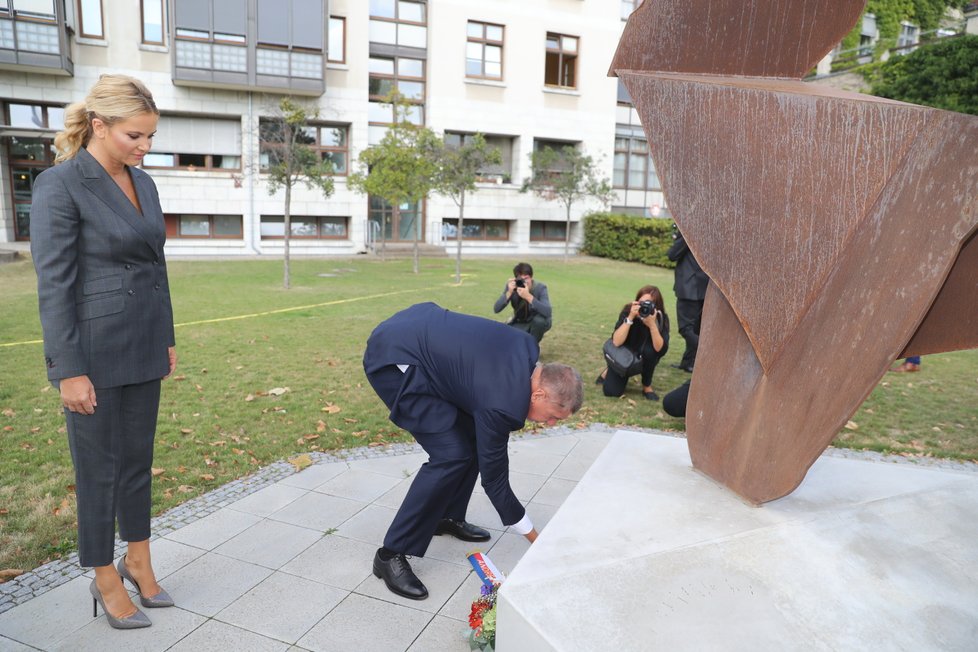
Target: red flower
(475, 616)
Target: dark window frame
(208, 165)
(342, 19)
(317, 147)
(483, 223)
(81, 21)
(628, 151)
(395, 78)
(563, 56)
(173, 220)
(561, 237)
(142, 23)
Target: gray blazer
(102, 286)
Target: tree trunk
(383, 232)
(458, 237)
(567, 230)
(417, 235)
(287, 220)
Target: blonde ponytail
(112, 98)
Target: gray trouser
(537, 326)
(112, 451)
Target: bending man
(459, 384)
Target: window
(329, 142)
(909, 35)
(407, 77)
(188, 161)
(90, 23)
(475, 229)
(633, 163)
(33, 8)
(561, 65)
(301, 226)
(398, 22)
(217, 227)
(337, 40)
(558, 164)
(484, 51)
(152, 13)
(501, 173)
(547, 231)
(28, 156)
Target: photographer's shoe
(652, 396)
(398, 576)
(461, 530)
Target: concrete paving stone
(524, 485)
(442, 635)
(170, 556)
(578, 461)
(318, 511)
(396, 466)
(283, 607)
(269, 543)
(214, 635)
(10, 645)
(369, 524)
(213, 530)
(561, 445)
(43, 621)
(212, 582)
(507, 550)
(354, 484)
(459, 605)
(315, 475)
(530, 461)
(455, 551)
(395, 496)
(481, 512)
(335, 560)
(268, 500)
(540, 515)
(169, 626)
(441, 578)
(554, 491)
(364, 623)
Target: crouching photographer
(639, 341)
(531, 302)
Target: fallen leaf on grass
(10, 573)
(377, 443)
(168, 493)
(331, 409)
(349, 420)
(8, 412)
(237, 451)
(219, 442)
(320, 425)
(278, 391)
(64, 505)
(180, 377)
(8, 428)
(207, 476)
(851, 425)
(187, 431)
(300, 461)
(155, 471)
(36, 429)
(249, 398)
(185, 489)
(198, 388)
(4, 511)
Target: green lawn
(220, 419)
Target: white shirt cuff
(524, 526)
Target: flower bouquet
(482, 617)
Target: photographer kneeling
(531, 303)
(643, 329)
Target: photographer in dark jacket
(530, 301)
(690, 288)
(643, 327)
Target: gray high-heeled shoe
(134, 621)
(161, 599)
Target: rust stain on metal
(838, 229)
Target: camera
(520, 283)
(645, 309)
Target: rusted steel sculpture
(838, 230)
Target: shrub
(628, 237)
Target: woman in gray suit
(97, 237)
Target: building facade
(525, 73)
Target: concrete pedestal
(648, 554)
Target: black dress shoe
(461, 530)
(399, 578)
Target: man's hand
(78, 394)
(531, 536)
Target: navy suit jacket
(460, 363)
(102, 286)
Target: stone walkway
(282, 560)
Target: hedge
(628, 237)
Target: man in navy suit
(459, 384)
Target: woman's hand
(651, 320)
(171, 352)
(78, 394)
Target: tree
(291, 160)
(458, 171)
(943, 75)
(567, 175)
(401, 168)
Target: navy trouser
(690, 315)
(112, 451)
(443, 486)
